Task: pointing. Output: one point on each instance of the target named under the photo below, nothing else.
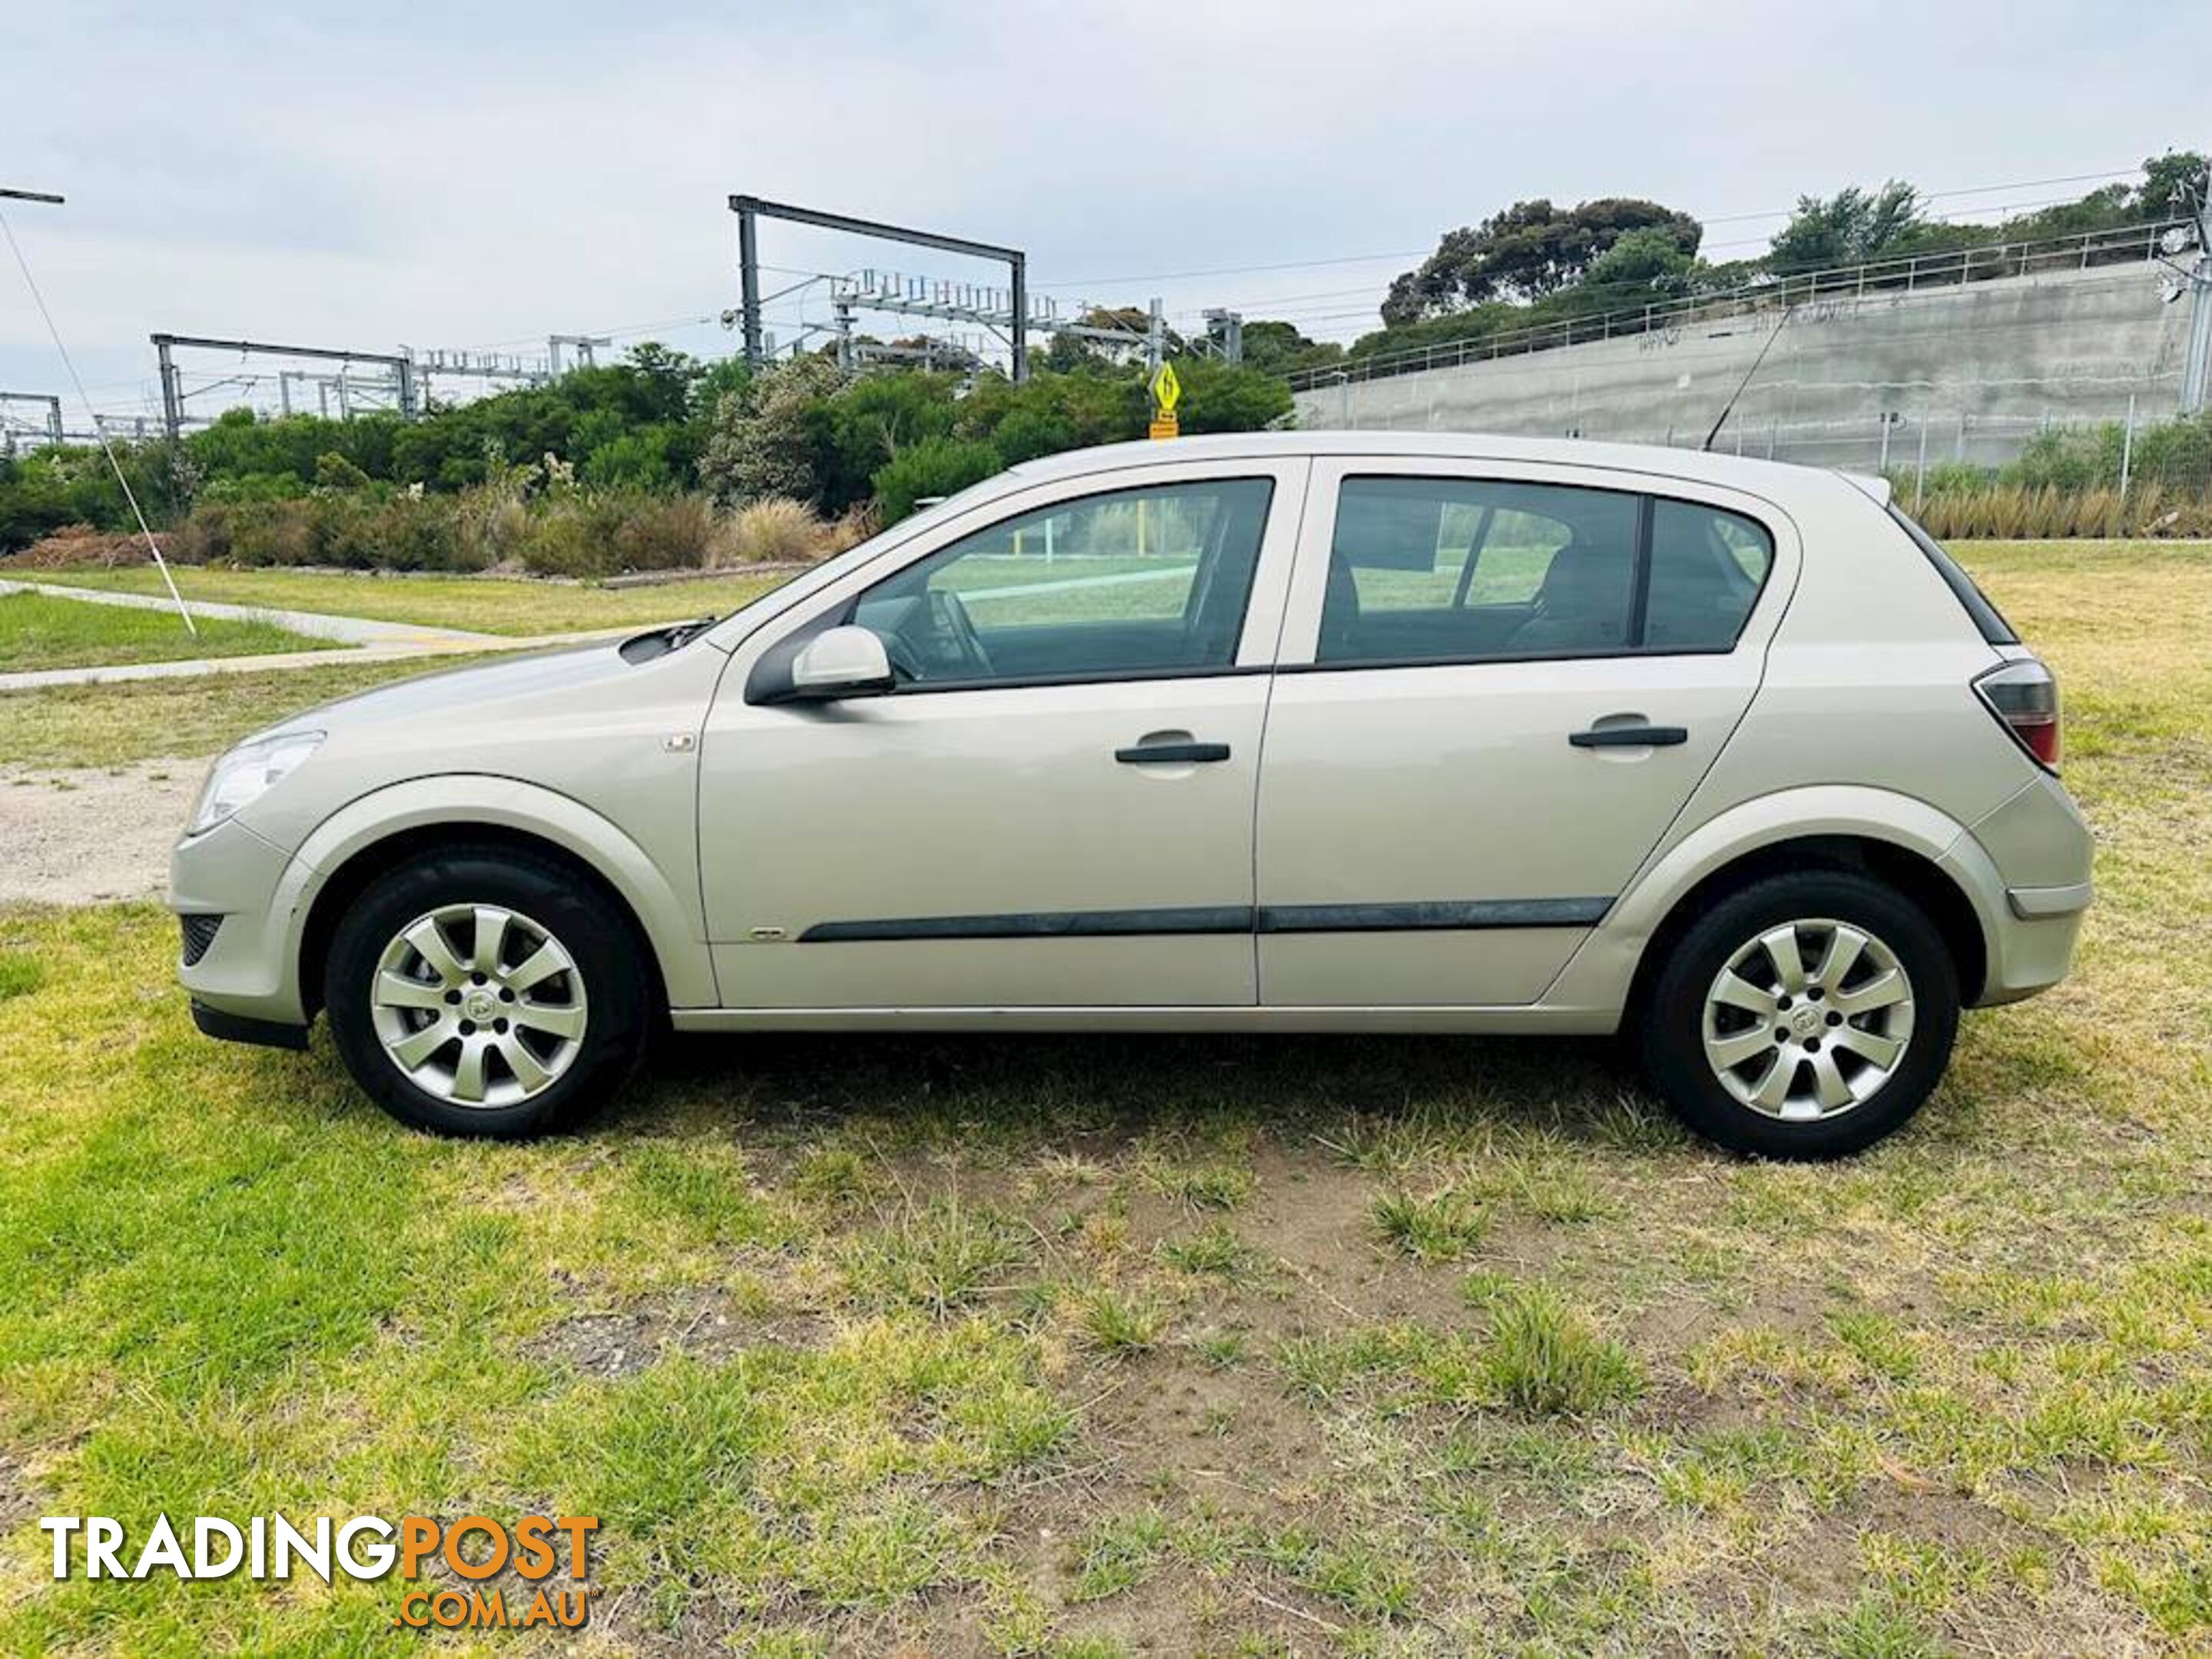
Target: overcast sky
(477, 175)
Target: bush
(941, 466)
(774, 530)
(660, 533)
(354, 531)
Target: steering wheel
(949, 618)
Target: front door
(1497, 693)
(1053, 807)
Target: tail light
(2024, 696)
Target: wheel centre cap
(1804, 1021)
(480, 1006)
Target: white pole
(2128, 447)
(70, 363)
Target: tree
(938, 466)
(1527, 251)
(2174, 185)
(1641, 266)
(763, 441)
(1846, 228)
(1278, 347)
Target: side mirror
(839, 662)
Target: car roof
(1772, 479)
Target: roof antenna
(1728, 408)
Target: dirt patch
(79, 835)
(707, 1324)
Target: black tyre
(484, 991)
(1804, 1016)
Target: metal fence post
(2128, 447)
(1920, 479)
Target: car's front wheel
(1804, 1016)
(486, 992)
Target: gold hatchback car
(1346, 731)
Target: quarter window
(1465, 570)
(1707, 566)
(1136, 581)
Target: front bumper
(247, 976)
(237, 1028)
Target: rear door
(1498, 686)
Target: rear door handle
(1163, 754)
(1630, 737)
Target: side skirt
(1409, 1020)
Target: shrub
(854, 525)
(660, 533)
(939, 467)
(774, 530)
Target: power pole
(2197, 372)
(47, 400)
(751, 210)
(587, 347)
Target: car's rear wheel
(486, 992)
(1805, 1016)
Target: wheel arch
(380, 832)
(1901, 840)
(1919, 879)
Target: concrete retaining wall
(1959, 372)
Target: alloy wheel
(479, 1005)
(1808, 1020)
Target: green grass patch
(39, 632)
(1099, 1344)
(203, 714)
(483, 604)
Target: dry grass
(774, 530)
(1100, 1347)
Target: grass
(1092, 1346)
(39, 632)
(487, 605)
(140, 720)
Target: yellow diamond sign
(1167, 391)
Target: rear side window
(1995, 629)
(1467, 570)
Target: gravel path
(78, 836)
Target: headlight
(244, 775)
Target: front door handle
(1164, 754)
(1630, 737)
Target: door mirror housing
(842, 662)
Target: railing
(2127, 244)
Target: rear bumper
(2026, 867)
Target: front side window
(1459, 569)
(1465, 570)
(1138, 581)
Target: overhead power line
(1707, 219)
